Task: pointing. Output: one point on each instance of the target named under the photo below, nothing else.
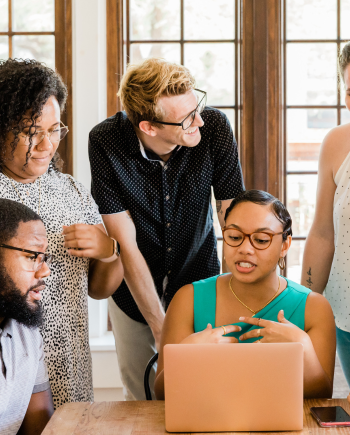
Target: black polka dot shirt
(168, 201)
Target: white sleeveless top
(338, 287)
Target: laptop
(233, 387)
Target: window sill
(105, 343)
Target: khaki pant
(135, 346)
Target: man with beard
(25, 395)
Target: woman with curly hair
(32, 98)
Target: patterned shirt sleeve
(228, 179)
(103, 182)
(91, 212)
(42, 378)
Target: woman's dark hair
(344, 60)
(11, 214)
(26, 85)
(263, 198)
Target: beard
(15, 305)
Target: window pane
(306, 129)
(301, 193)
(208, 19)
(39, 47)
(311, 19)
(33, 15)
(230, 113)
(4, 47)
(4, 16)
(345, 19)
(311, 74)
(213, 68)
(294, 260)
(170, 52)
(154, 19)
(345, 116)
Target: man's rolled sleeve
(227, 179)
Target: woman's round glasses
(33, 262)
(38, 136)
(259, 240)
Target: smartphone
(331, 416)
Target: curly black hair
(26, 84)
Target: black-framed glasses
(34, 262)
(259, 240)
(188, 121)
(38, 136)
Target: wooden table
(143, 418)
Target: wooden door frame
(64, 66)
(262, 150)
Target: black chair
(146, 377)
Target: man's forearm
(317, 262)
(141, 285)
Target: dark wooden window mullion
(236, 77)
(182, 32)
(127, 31)
(338, 51)
(10, 27)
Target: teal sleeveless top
(292, 300)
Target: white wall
(89, 78)
(89, 108)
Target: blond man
(153, 167)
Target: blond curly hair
(143, 84)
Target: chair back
(146, 376)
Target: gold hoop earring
(282, 263)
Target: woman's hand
(213, 335)
(282, 331)
(82, 240)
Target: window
(41, 30)
(314, 105)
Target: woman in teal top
(253, 303)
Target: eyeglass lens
(55, 136)
(189, 120)
(33, 263)
(235, 238)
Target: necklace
(254, 312)
(14, 186)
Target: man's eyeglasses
(260, 240)
(34, 262)
(38, 136)
(188, 121)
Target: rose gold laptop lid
(229, 387)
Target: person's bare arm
(136, 272)
(319, 360)
(39, 412)
(92, 241)
(221, 207)
(319, 247)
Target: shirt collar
(6, 330)
(149, 155)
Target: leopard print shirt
(64, 201)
